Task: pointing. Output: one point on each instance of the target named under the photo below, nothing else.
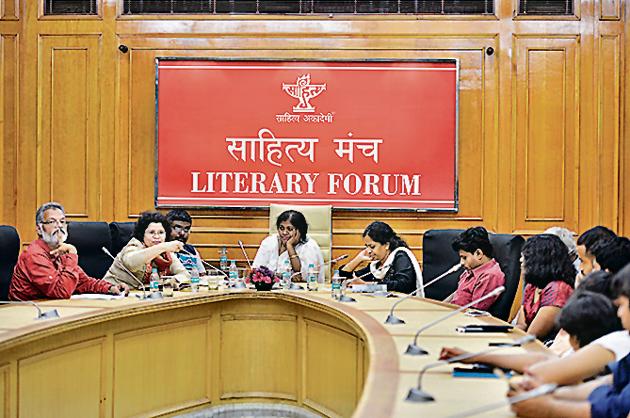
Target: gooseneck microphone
(393, 319)
(541, 390)
(418, 395)
(413, 348)
(249, 263)
(53, 313)
(153, 295)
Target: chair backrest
(319, 220)
(438, 256)
(121, 233)
(89, 238)
(9, 251)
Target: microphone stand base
(295, 286)
(418, 395)
(414, 350)
(393, 320)
(154, 296)
(49, 314)
(344, 298)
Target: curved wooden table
(145, 358)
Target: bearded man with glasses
(48, 268)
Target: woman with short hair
(148, 249)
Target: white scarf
(379, 273)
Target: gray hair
(565, 236)
(39, 215)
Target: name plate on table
(369, 288)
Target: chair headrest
(89, 236)
(9, 244)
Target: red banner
(350, 134)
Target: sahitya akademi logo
(304, 91)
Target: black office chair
(89, 238)
(121, 233)
(9, 251)
(438, 256)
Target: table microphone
(541, 390)
(418, 395)
(393, 319)
(40, 314)
(240, 244)
(153, 295)
(413, 348)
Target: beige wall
(542, 121)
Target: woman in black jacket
(391, 262)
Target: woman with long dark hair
(549, 275)
(291, 244)
(391, 262)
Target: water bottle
(154, 281)
(286, 274)
(233, 273)
(194, 280)
(223, 259)
(335, 289)
(311, 277)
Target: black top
(401, 276)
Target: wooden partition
(543, 112)
(175, 355)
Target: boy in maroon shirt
(482, 274)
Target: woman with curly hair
(549, 276)
(148, 249)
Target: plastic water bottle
(335, 289)
(233, 273)
(286, 274)
(154, 281)
(311, 277)
(223, 259)
(194, 280)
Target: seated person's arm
(140, 256)
(403, 275)
(544, 321)
(550, 407)
(586, 362)
(52, 282)
(520, 320)
(580, 392)
(178, 270)
(516, 362)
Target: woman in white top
(291, 243)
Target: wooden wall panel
(9, 9)
(68, 169)
(5, 393)
(8, 125)
(172, 357)
(610, 9)
(41, 372)
(329, 353)
(265, 348)
(547, 111)
(532, 114)
(609, 123)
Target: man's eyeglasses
(178, 228)
(60, 222)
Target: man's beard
(54, 239)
